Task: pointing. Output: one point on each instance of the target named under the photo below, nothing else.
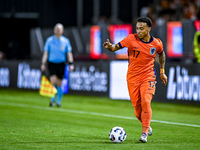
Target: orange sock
(145, 130)
(146, 119)
(146, 112)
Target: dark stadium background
(17, 17)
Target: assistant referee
(56, 51)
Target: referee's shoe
(52, 104)
(58, 105)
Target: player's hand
(163, 77)
(107, 44)
(43, 67)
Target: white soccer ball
(117, 135)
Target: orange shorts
(138, 90)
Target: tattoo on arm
(162, 60)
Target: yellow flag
(46, 88)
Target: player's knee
(146, 103)
(53, 79)
(147, 110)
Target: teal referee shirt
(57, 48)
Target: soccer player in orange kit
(141, 75)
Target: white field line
(90, 113)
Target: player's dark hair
(146, 20)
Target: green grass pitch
(84, 122)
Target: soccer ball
(117, 135)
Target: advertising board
(118, 33)
(174, 39)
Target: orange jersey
(141, 57)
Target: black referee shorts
(57, 69)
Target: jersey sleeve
(46, 46)
(160, 46)
(125, 42)
(68, 47)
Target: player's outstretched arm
(163, 76)
(111, 47)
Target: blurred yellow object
(46, 88)
(196, 45)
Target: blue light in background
(119, 35)
(97, 42)
(177, 40)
